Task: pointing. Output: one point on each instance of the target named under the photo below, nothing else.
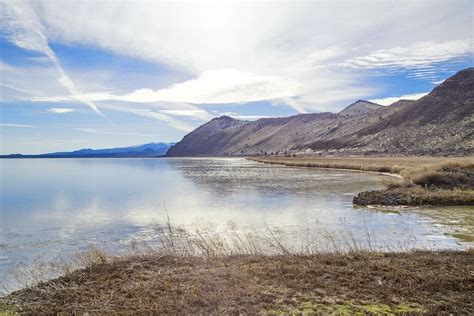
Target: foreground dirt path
(375, 283)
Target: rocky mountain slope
(360, 107)
(440, 123)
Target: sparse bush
(444, 180)
(445, 176)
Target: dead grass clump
(397, 169)
(415, 196)
(445, 176)
(443, 180)
(393, 184)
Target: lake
(56, 207)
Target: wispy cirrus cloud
(24, 28)
(424, 53)
(150, 113)
(214, 86)
(106, 132)
(17, 125)
(234, 57)
(390, 100)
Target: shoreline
(426, 180)
(305, 165)
(390, 165)
(201, 276)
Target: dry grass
(206, 273)
(395, 165)
(415, 196)
(375, 283)
(446, 176)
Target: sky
(98, 74)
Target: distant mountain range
(440, 123)
(142, 151)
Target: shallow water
(52, 207)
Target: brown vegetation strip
(378, 164)
(415, 196)
(432, 282)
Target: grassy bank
(396, 165)
(343, 284)
(196, 273)
(415, 196)
(425, 180)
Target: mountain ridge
(144, 151)
(440, 123)
(360, 107)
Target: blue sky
(101, 74)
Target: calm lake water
(55, 207)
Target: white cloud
(96, 131)
(214, 86)
(221, 86)
(211, 35)
(236, 52)
(7, 86)
(390, 100)
(6, 67)
(416, 54)
(152, 114)
(245, 117)
(197, 114)
(24, 28)
(17, 125)
(61, 110)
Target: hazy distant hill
(441, 122)
(146, 150)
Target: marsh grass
(410, 168)
(206, 272)
(208, 243)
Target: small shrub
(444, 180)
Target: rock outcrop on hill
(439, 123)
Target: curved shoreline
(426, 180)
(305, 165)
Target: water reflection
(56, 206)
